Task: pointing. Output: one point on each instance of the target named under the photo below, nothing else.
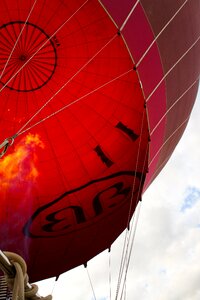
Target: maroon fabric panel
(173, 43)
(118, 10)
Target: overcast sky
(165, 263)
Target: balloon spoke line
(129, 15)
(17, 40)
(169, 71)
(92, 287)
(42, 46)
(174, 103)
(158, 35)
(23, 129)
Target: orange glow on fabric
(19, 167)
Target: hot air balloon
(95, 95)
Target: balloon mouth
(28, 56)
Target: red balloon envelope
(85, 86)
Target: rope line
(92, 287)
(174, 103)
(70, 104)
(123, 291)
(155, 39)
(167, 140)
(127, 234)
(60, 89)
(131, 237)
(169, 71)
(129, 15)
(110, 276)
(167, 158)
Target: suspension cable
(21, 131)
(110, 276)
(92, 287)
(61, 88)
(123, 289)
(174, 103)
(129, 15)
(167, 140)
(133, 231)
(174, 65)
(130, 238)
(127, 235)
(161, 31)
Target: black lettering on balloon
(118, 190)
(107, 161)
(54, 220)
(128, 131)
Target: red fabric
(66, 184)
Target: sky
(166, 251)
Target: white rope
(131, 237)
(129, 15)
(11, 53)
(169, 71)
(110, 276)
(155, 39)
(60, 89)
(167, 140)
(92, 287)
(127, 234)
(174, 103)
(167, 158)
(123, 289)
(70, 104)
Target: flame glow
(19, 167)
